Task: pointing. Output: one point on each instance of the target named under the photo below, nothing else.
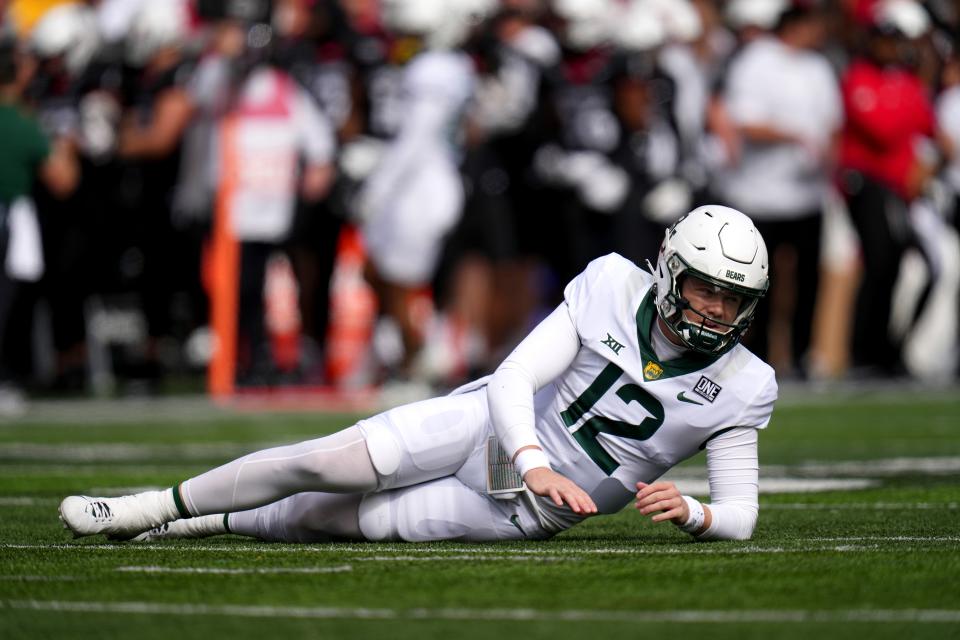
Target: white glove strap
(531, 459)
(697, 516)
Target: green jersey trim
(687, 363)
(703, 445)
(178, 500)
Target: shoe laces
(100, 510)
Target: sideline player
(630, 375)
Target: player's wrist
(696, 518)
(530, 458)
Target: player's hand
(547, 482)
(662, 499)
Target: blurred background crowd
(254, 194)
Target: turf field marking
(16, 578)
(121, 491)
(472, 553)
(468, 557)
(700, 486)
(518, 615)
(890, 538)
(883, 467)
(84, 452)
(117, 468)
(25, 501)
(226, 571)
(867, 506)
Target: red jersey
(887, 109)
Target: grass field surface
(859, 536)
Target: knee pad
(384, 450)
(377, 520)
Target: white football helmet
(721, 246)
(443, 24)
(157, 24)
(68, 30)
(587, 23)
(905, 17)
(639, 28)
(679, 18)
(754, 13)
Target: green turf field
(877, 559)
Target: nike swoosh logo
(515, 521)
(683, 398)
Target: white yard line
(228, 571)
(882, 467)
(28, 578)
(517, 615)
(121, 491)
(700, 486)
(85, 452)
(863, 506)
(468, 558)
(114, 468)
(850, 544)
(890, 539)
(26, 501)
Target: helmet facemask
(694, 332)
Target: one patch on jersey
(707, 389)
(652, 371)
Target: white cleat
(122, 517)
(199, 527)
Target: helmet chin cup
(699, 338)
(696, 335)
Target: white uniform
(615, 416)
(415, 196)
(794, 91)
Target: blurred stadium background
(227, 224)
(266, 199)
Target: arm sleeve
(733, 469)
(542, 356)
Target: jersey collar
(653, 367)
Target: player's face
(716, 303)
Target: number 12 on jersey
(586, 435)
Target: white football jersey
(415, 194)
(619, 411)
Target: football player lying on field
(633, 373)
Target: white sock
(202, 526)
(304, 517)
(199, 527)
(161, 503)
